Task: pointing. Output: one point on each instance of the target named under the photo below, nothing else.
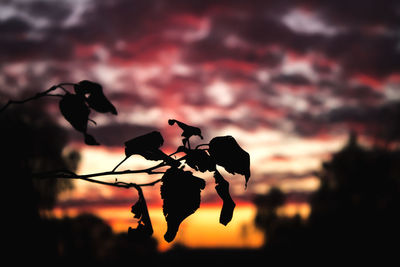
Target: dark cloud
(375, 55)
(242, 39)
(358, 13)
(291, 79)
(48, 48)
(361, 94)
(54, 12)
(13, 28)
(377, 122)
(358, 50)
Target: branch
(122, 184)
(38, 95)
(72, 175)
(66, 174)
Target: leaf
(228, 205)
(227, 153)
(146, 145)
(90, 140)
(180, 191)
(199, 160)
(188, 131)
(96, 98)
(75, 111)
(140, 211)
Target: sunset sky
(288, 79)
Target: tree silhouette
(30, 142)
(354, 213)
(180, 189)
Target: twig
(121, 184)
(38, 95)
(71, 175)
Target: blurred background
(311, 89)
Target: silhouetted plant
(180, 189)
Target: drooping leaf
(199, 160)
(95, 96)
(180, 191)
(228, 205)
(76, 112)
(90, 140)
(146, 145)
(227, 153)
(140, 211)
(188, 131)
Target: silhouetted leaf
(199, 160)
(180, 191)
(227, 153)
(228, 205)
(75, 111)
(90, 140)
(146, 145)
(188, 131)
(95, 96)
(140, 211)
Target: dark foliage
(226, 152)
(76, 112)
(94, 96)
(180, 191)
(146, 145)
(199, 160)
(354, 213)
(188, 131)
(228, 205)
(30, 142)
(139, 209)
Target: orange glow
(201, 229)
(293, 209)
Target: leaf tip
(89, 140)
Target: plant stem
(71, 175)
(38, 95)
(121, 184)
(65, 174)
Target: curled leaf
(90, 140)
(95, 96)
(227, 153)
(140, 211)
(180, 191)
(228, 205)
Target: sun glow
(201, 229)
